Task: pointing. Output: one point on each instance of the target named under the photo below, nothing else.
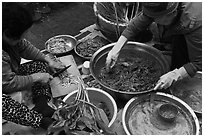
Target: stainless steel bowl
(183, 108)
(168, 112)
(98, 60)
(97, 95)
(71, 42)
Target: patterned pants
(18, 113)
(38, 89)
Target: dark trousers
(180, 52)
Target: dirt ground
(64, 18)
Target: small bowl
(168, 112)
(61, 49)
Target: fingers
(50, 77)
(108, 65)
(113, 61)
(163, 84)
(53, 70)
(56, 65)
(61, 65)
(159, 85)
(47, 78)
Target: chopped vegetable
(79, 116)
(59, 45)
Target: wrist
(119, 44)
(35, 77)
(182, 71)
(47, 59)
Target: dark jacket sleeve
(138, 24)
(15, 112)
(30, 52)
(12, 82)
(194, 45)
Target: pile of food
(131, 74)
(88, 47)
(91, 82)
(59, 45)
(80, 116)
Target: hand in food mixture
(111, 60)
(114, 53)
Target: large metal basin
(99, 58)
(184, 109)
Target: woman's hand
(111, 59)
(114, 53)
(53, 64)
(169, 78)
(42, 77)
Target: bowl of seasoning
(168, 112)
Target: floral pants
(19, 113)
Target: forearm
(15, 112)
(194, 46)
(119, 44)
(13, 83)
(30, 52)
(138, 24)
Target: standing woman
(179, 24)
(16, 20)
